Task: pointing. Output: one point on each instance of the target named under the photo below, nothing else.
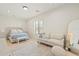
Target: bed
(16, 35)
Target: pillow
(19, 30)
(13, 31)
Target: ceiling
(16, 10)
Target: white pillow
(13, 31)
(19, 30)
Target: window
(38, 26)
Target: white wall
(56, 21)
(7, 21)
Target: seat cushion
(57, 36)
(53, 42)
(57, 42)
(59, 51)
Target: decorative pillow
(46, 36)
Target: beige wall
(56, 21)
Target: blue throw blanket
(18, 35)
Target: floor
(26, 48)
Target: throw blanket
(19, 35)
